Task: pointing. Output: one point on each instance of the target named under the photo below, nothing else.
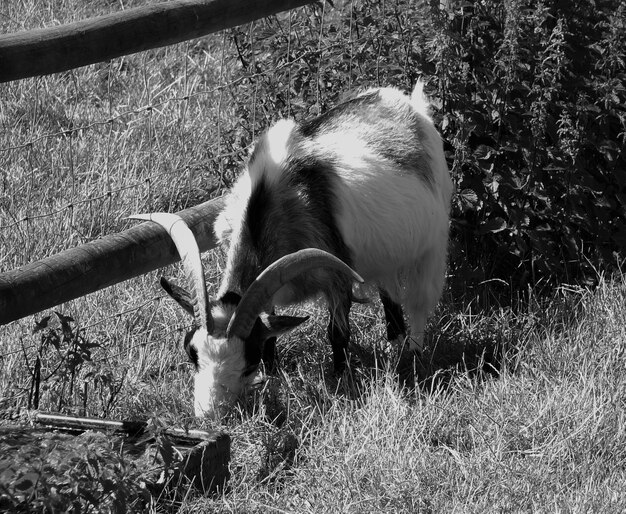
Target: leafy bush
(63, 371)
(538, 127)
(60, 473)
(94, 471)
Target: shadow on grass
(484, 350)
(479, 356)
(305, 392)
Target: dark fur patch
(295, 212)
(260, 204)
(253, 348)
(306, 203)
(314, 181)
(394, 319)
(339, 331)
(230, 298)
(191, 350)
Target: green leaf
(41, 325)
(469, 200)
(492, 225)
(484, 152)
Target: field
(519, 406)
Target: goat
(363, 186)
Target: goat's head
(226, 338)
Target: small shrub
(57, 473)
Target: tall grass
(514, 410)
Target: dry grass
(514, 411)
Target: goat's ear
(182, 297)
(276, 325)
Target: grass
(546, 435)
(515, 411)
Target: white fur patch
(218, 380)
(272, 152)
(419, 101)
(229, 220)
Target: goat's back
(393, 185)
(379, 161)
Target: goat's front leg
(339, 329)
(270, 358)
(394, 319)
(269, 355)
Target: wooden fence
(99, 264)
(56, 49)
(146, 247)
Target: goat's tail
(418, 99)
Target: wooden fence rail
(112, 259)
(56, 49)
(146, 247)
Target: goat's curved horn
(189, 252)
(273, 278)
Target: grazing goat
(365, 184)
